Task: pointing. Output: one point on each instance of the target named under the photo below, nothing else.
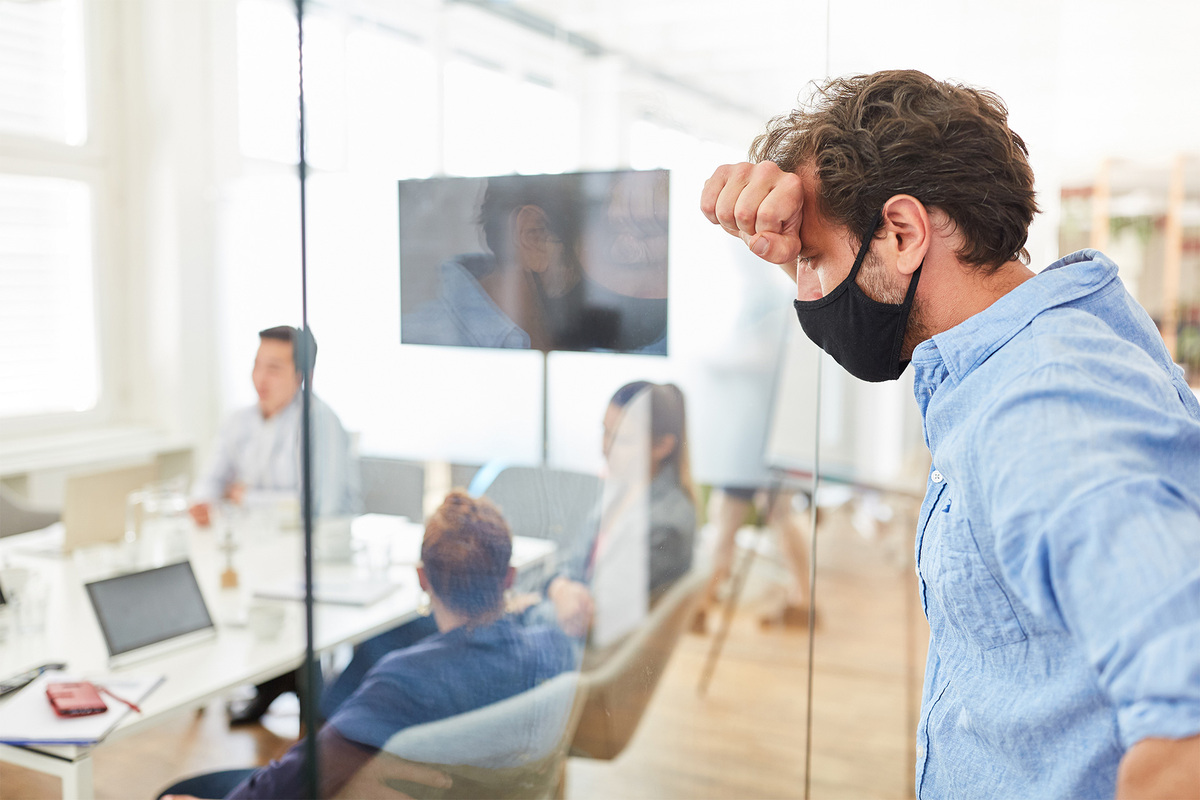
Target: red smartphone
(75, 699)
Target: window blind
(48, 358)
(41, 70)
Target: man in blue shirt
(479, 658)
(1058, 546)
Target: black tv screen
(575, 261)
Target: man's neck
(272, 414)
(959, 292)
(448, 620)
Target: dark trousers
(211, 784)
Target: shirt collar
(474, 309)
(967, 345)
(291, 409)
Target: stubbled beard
(872, 281)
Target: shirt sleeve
(222, 466)
(387, 701)
(339, 759)
(1092, 490)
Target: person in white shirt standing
(258, 453)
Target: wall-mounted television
(574, 261)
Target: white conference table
(197, 673)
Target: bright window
(48, 358)
(391, 87)
(268, 84)
(497, 124)
(41, 71)
(49, 352)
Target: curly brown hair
(465, 552)
(870, 137)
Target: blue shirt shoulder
(1059, 543)
(451, 673)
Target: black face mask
(863, 335)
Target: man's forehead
(275, 349)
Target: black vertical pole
(308, 700)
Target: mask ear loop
(865, 247)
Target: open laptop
(142, 614)
(94, 504)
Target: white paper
(26, 717)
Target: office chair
(619, 688)
(390, 486)
(516, 748)
(17, 516)
(546, 503)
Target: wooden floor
(745, 739)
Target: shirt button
(937, 477)
(920, 752)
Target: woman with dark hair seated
(648, 467)
(477, 658)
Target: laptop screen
(145, 608)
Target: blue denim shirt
(1058, 547)
(462, 314)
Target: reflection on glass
(569, 262)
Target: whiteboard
(870, 433)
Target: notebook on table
(145, 613)
(26, 718)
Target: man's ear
(422, 579)
(908, 230)
(535, 244)
(509, 577)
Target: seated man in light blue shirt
(1058, 548)
(257, 461)
(257, 457)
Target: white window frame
(95, 164)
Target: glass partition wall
(521, 311)
(515, 296)
(713, 589)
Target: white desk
(197, 673)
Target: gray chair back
(391, 486)
(17, 516)
(546, 503)
(516, 748)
